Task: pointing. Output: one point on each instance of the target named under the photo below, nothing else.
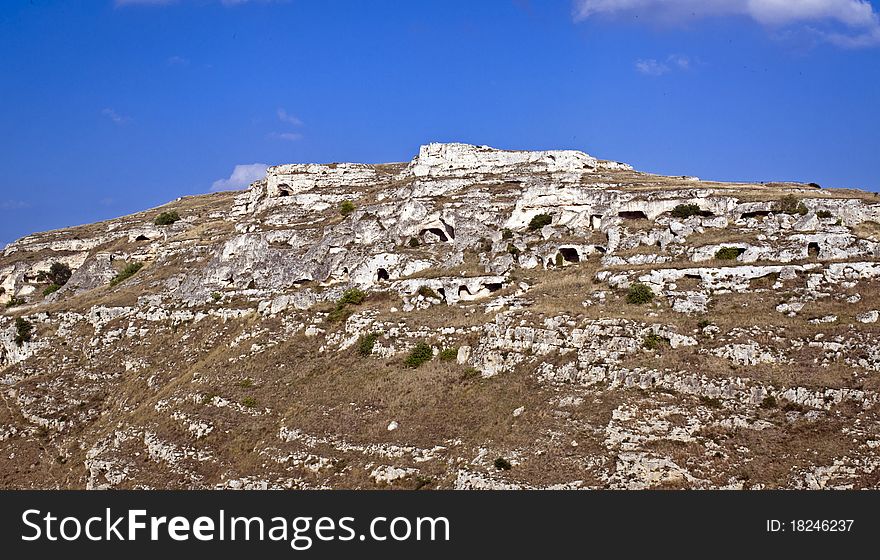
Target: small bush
(346, 207)
(366, 343)
(24, 331)
(51, 289)
(560, 260)
(513, 249)
(653, 341)
(208, 398)
(429, 293)
(703, 323)
(59, 274)
(448, 354)
(166, 218)
(711, 402)
(130, 270)
(216, 296)
(414, 242)
(825, 214)
(502, 464)
(470, 373)
(540, 221)
(246, 383)
(728, 253)
(790, 204)
(249, 402)
(769, 402)
(639, 294)
(14, 302)
(814, 185)
(420, 354)
(353, 296)
(506, 234)
(686, 211)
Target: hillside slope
(475, 318)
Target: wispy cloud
(289, 136)
(123, 3)
(14, 205)
(242, 176)
(654, 67)
(285, 117)
(178, 61)
(847, 23)
(117, 118)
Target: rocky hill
(475, 318)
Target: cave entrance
(633, 215)
(463, 291)
(756, 214)
(493, 286)
(141, 238)
(436, 231)
(570, 254)
(813, 250)
(382, 274)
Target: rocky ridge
(268, 339)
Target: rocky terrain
(475, 318)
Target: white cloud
(118, 119)
(285, 117)
(654, 67)
(178, 61)
(14, 205)
(289, 136)
(858, 17)
(242, 176)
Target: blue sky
(110, 107)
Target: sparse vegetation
(427, 292)
(353, 296)
(513, 249)
(414, 242)
(728, 253)
(653, 341)
(246, 383)
(540, 221)
(130, 270)
(448, 354)
(249, 402)
(824, 214)
(420, 354)
(51, 289)
(346, 207)
(703, 323)
(639, 294)
(790, 204)
(686, 211)
(470, 373)
(14, 302)
(506, 234)
(769, 402)
(366, 343)
(216, 296)
(166, 218)
(502, 464)
(24, 331)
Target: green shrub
(14, 302)
(127, 272)
(824, 214)
(703, 323)
(429, 293)
(502, 464)
(686, 211)
(728, 253)
(512, 249)
(353, 296)
(711, 402)
(346, 207)
(639, 293)
(540, 221)
(366, 343)
(814, 185)
(506, 234)
(24, 331)
(246, 383)
(769, 402)
(216, 296)
(420, 354)
(790, 204)
(470, 373)
(560, 260)
(166, 218)
(51, 289)
(448, 354)
(249, 402)
(653, 341)
(414, 242)
(59, 274)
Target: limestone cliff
(591, 325)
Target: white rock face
(291, 179)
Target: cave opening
(813, 250)
(436, 231)
(382, 274)
(570, 254)
(633, 215)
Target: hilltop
(474, 318)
